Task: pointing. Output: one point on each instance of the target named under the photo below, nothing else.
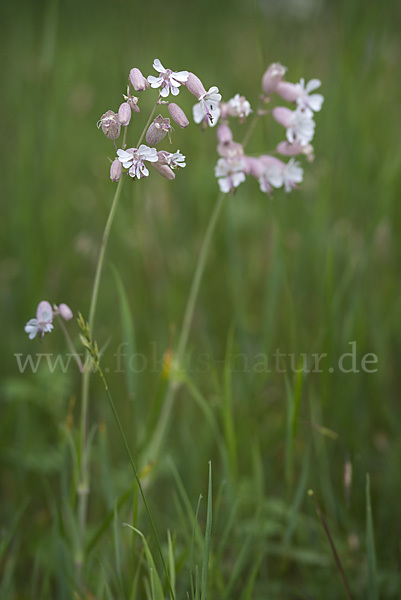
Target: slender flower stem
(161, 426)
(83, 486)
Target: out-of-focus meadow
(314, 271)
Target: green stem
(83, 486)
(153, 447)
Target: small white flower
(132, 159)
(167, 80)
(229, 173)
(175, 160)
(208, 107)
(43, 322)
(301, 127)
(305, 99)
(239, 107)
(287, 175)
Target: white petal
(198, 113)
(313, 84)
(175, 91)
(225, 184)
(181, 76)
(158, 66)
(164, 91)
(155, 81)
(238, 178)
(315, 101)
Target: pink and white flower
(279, 174)
(208, 107)
(133, 160)
(175, 160)
(299, 123)
(229, 173)
(168, 80)
(43, 322)
(305, 98)
(239, 107)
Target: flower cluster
(133, 160)
(44, 318)
(271, 172)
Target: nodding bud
(138, 81)
(224, 134)
(282, 115)
(287, 149)
(253, 166)
(287, 91)
(162, 167)
(158, 129)
(273, 75)
(178, 115)
(115, 170)
(65, 312)
(124, 114)
(110, 125)
(195, 86)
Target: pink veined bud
(270, 161)
(158, 129)
(164, 170)
(138, 81)
(224, 134)
(271, 78)
(287, 91)
(44, 312)
(254, 166)
(65, 312)
(124, 114)
(110, 125)
(115, 170)
(231, 150)
(195, 86)
(178, 115)
(282, 115)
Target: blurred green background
(307, 272)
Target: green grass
(310, 272)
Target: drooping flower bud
(224, 134)
(273, 75)
(288, 91)
(162, 167)
(115, 170)
(110, 125)
(65, 312)
(195, 86)
(158, 129)
(124, 114)
(178, 115)
(282, 115)
(138, 81)
(253, 166)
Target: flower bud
(158, 129)
(253, 166)
(224, 134)
(288, 91)
(195, 86)
(230, 150)
(133, 102)
(124, 114)
(115, 170)
(44, 312)
(178, 115)
(65, 312)
(273, 75)
(282, 115)
(164, 170)
(138, 81)
(110, 125)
